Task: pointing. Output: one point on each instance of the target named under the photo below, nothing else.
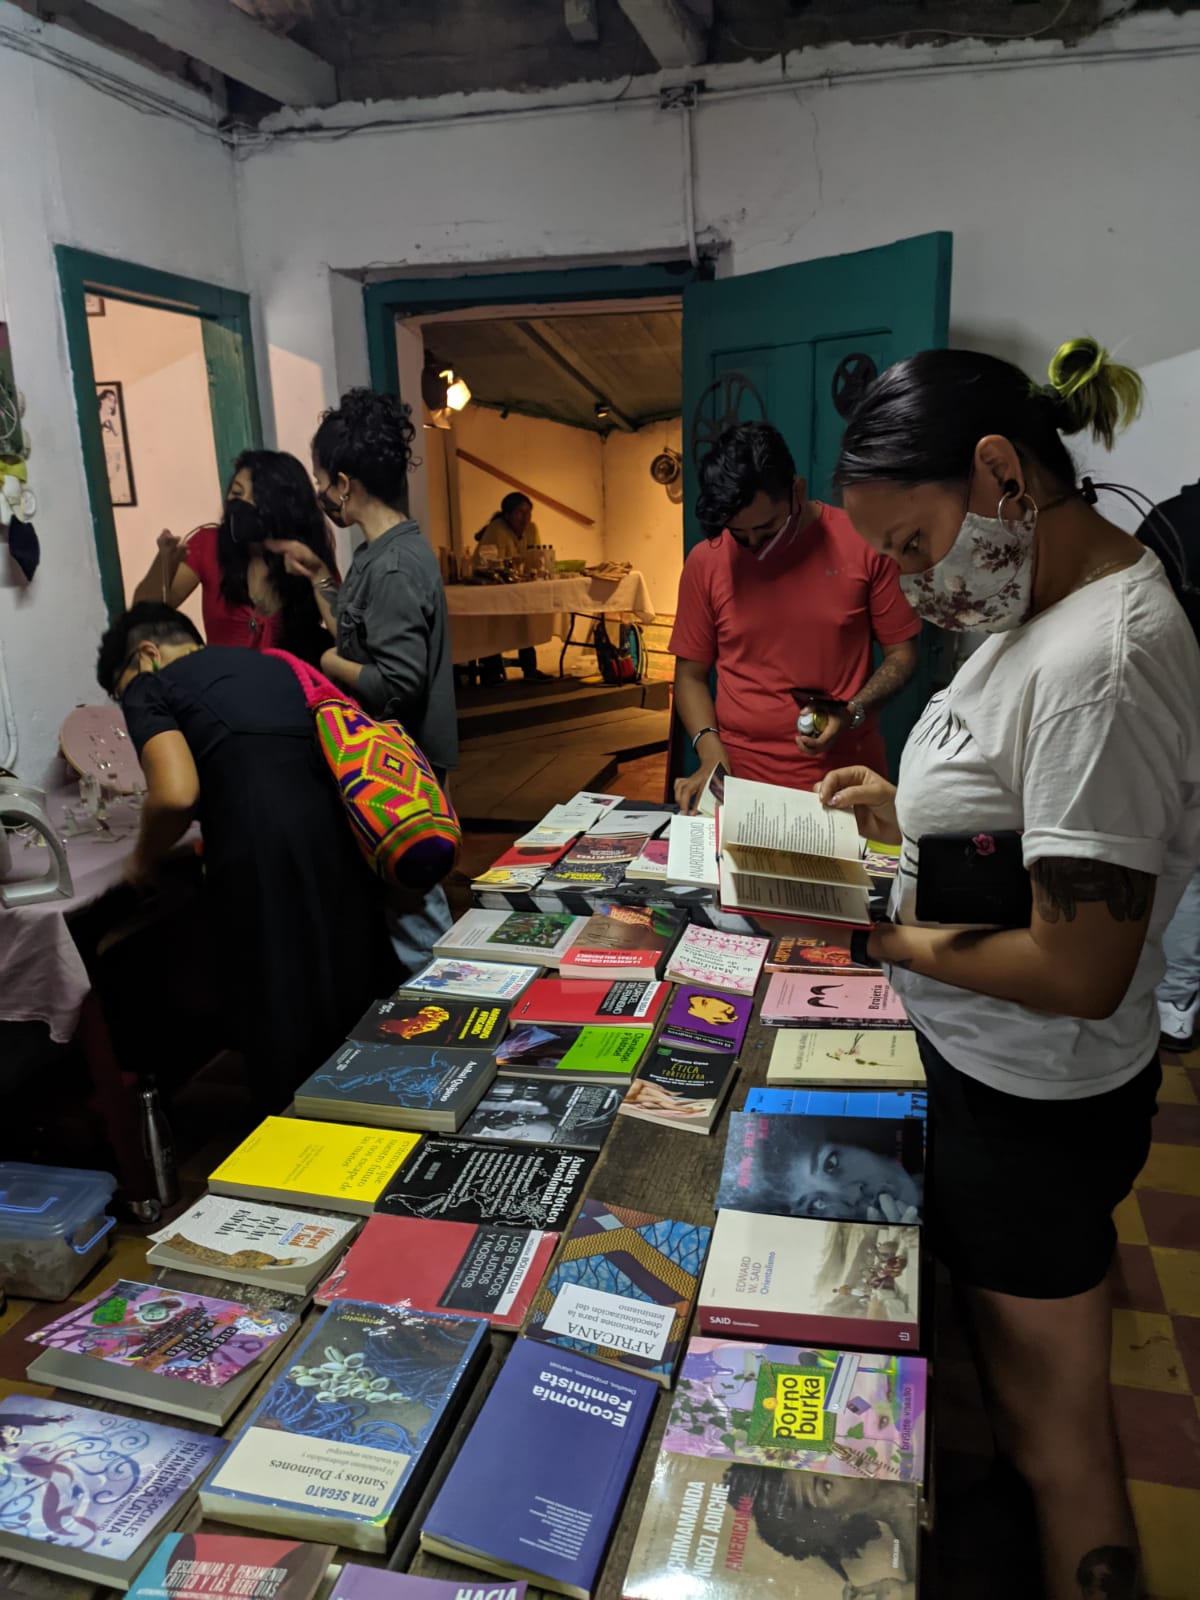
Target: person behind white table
(512, 534)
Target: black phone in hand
(973, 880)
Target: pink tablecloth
(42, 975)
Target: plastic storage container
(54, 1227)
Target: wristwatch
(857, 713)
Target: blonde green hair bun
(1092, 391)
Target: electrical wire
(147, 101)
(689, 185)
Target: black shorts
(1020, 1193)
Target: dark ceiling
(399, 49)
(605, 370)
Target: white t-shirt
(1082, 730)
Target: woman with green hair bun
(1068, 746)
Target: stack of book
(785, 1469)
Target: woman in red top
(248, 598)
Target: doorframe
(395, 297)
(82, 271)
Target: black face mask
(331, 508)
(244, 522)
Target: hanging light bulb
(458, 396)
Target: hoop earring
(1028, 519)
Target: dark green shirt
(391, 617)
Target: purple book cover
(370, 1583)
(540, 1481)
(91, 1480)
(710, 1018)
(146, 1328)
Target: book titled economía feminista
(537, 1487)
(342, 1444)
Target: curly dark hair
(370, 438)
(749, 459)
(149, 619)
(833, 1537)
(287, 508)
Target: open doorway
(163, 371)
(577, 408)
(152, 398)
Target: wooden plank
(526, 489)
(219, 34)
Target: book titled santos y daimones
(342, 1444)
(185, 1354)
(91, 1491)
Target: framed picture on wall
(110, 401)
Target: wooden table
(668, 1171)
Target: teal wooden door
(231, 393)
(792, 347)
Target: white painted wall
(101, 175)
(1160, 452)
(564, 463)
(158, 358)
(641, 525)
(1069, 180)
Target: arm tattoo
(1061, 884)
(1108, 1573)
(889, 678)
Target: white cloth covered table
(493, 618)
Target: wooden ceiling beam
(217, 33)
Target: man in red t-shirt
(782, 595)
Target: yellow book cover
(333, 1159)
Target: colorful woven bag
(399, 813)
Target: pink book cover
(148, 1328)
(818, 1000)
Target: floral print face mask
(985, 579)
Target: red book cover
(222, 1566)
(590, 1001)
(624, 941)
(443, 1266)
(533, 854)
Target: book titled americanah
(537, 1487)
(342, 1444)
(90, 1491)
(622, 1289)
